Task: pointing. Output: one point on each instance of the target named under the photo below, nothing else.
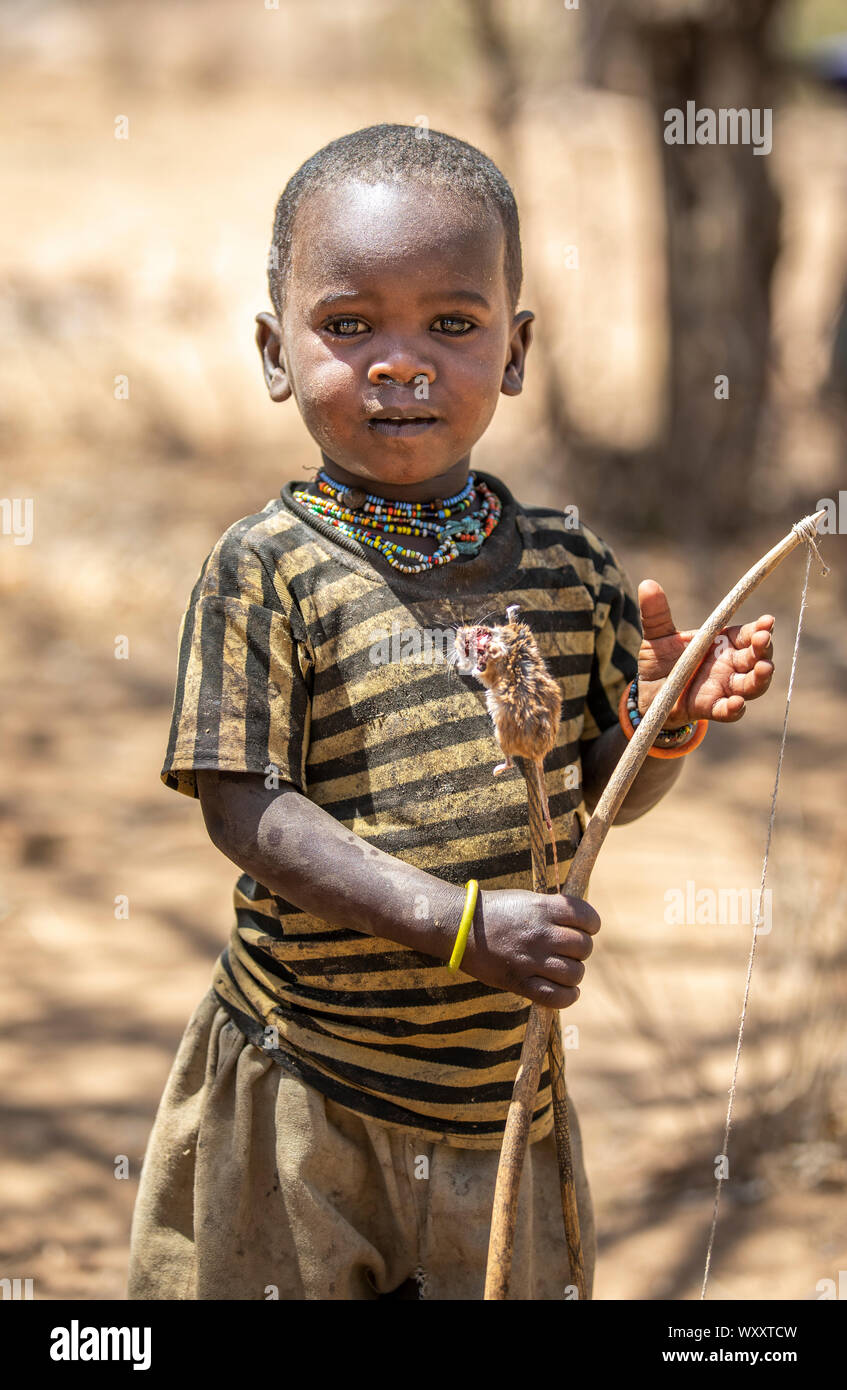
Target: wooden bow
(513, 1152)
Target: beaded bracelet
(471, 890)
(668, 743)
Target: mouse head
(483, 651)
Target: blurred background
(145, 149)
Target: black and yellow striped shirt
(296, 654)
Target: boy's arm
(532, 944)
(303, 854)
(599, 759)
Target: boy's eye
(454, 327)
(346, 328)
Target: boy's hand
(531, 944)
(737, 667)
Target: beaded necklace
(446, 518)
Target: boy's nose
(400, 367)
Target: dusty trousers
(256, 1186)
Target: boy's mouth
(402, 426)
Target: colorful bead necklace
(458, 533)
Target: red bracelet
(694, 742)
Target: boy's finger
(550, 996)
(656, 619)
(748, 657)
(753, 682)
(729, 709)
(574, 912)
(571, 944)
(562, 971)
(762, 644)
(742, 636)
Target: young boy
(332, 1122)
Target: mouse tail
(545, 806)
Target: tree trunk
(722, 243)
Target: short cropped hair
(386, 153)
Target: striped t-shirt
(298, 655)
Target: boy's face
(396, 306)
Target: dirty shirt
(301, 661)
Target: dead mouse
(523, 699)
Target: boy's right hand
(532, 944)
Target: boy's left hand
(737, 667)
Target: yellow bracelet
(471, 890)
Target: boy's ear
(512, 383)
(269, 343)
